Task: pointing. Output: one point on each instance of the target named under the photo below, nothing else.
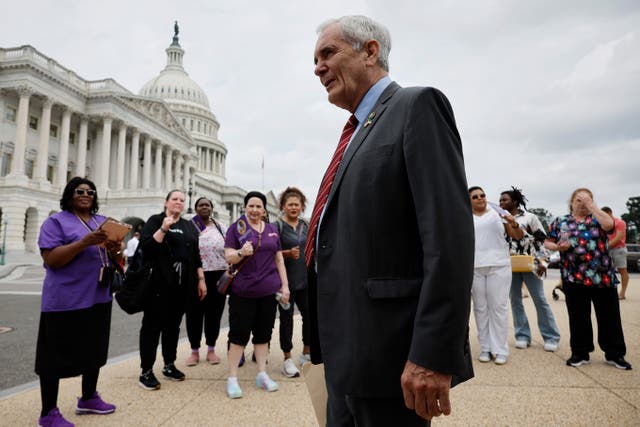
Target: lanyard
(103, 257)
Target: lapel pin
(370, 119)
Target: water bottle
(285, 306)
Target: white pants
(490, 293)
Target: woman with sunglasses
(209, 309)
(75, 319)
(491, 276)
(253, 246)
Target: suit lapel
(362, 134)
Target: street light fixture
(190, 193)
(4, 241)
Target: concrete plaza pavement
(534, 388)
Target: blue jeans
(546, 321)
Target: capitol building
(55, 125)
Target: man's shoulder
(423, 91)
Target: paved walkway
(533, 388)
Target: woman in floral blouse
(210, 308)
(588, 276)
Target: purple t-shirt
(259, 276)
(75, 285)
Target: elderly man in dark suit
(390, 246)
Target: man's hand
(425, 391)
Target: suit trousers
(607, 307)
(349, 411)
(490, 293)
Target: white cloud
(545, 93)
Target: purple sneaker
(54, 419)
(95, 405)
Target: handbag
(522, 263)
(225, 281)
(136, 285)
(116, 280)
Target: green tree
(543, 215)
(632, 218)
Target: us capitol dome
(190, 105)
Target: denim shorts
(619, 257)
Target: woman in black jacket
(170, 243)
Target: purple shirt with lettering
(259, 276)
(74, 285)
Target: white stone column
(187, 169)
(40, 174)
(210, 160)
(146, 165)
(224, 165)
(122, 143)
(179, 180)
(157, 179)
(135, 159)
(167, 169)
(63, 151)
(13, 221)
(103, 152)
(81, 157)
(22, 122)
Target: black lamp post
(190, 193)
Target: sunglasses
(478, 196)
(82, 191)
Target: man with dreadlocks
(534, 234)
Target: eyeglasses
(478, 196)
(82, 191)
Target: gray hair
(359, 29)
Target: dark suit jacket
(395, 251)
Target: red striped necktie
(325, 187)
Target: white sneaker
(304, 358)
(551, 346)
(485, 356)
(289, 369)
(522, 343)
(500, 359)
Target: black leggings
(210, 309)
(286, 320)
(49, 390)
(162, 316)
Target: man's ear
(372, 51)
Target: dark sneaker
(148, 381)
(170, 371)
(620, 363)
(577, 360)
(95, 405)
(54, 419)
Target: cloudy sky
(546, 93)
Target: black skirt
(73, 342)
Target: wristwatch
(239, 253)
